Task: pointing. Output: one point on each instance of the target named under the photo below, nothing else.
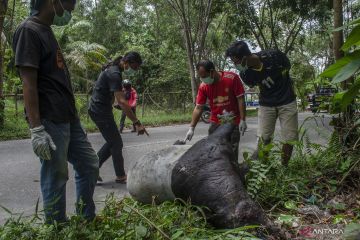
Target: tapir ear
(224, 131)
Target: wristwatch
(137, 122)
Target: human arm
(29, 76)
(40, 139)
(239, 92)
(194, 120)
(242, 110)
(120, 97)
(242, 107)
(283, 60)
(250, 78)
(114, 82)
(200, 101)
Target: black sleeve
(27, 48)
(250, 78)
(115, 81)
(283, 60)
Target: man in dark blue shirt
(269, 70)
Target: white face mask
(130, 71)
(240, 67)
(61, 20)
(207, 80)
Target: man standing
(56, 133)
(131, 96)
(269, 70)
(225, 92)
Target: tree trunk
(338, 35)
(3, 9)
(194, 33)
(346, 118)
(190, 55)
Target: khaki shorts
(288, 116)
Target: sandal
(121, 179)
(99, 181)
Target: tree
(195, 17)
(3, 10)
(344, 102)
(85, 58)
(275, 24)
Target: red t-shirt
(222, 95)
(133, 98)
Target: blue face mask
(61, 20)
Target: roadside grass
(319, 187)
(126, 219)
(16, 126)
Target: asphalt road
(19, 172)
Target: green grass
(126, 219)
(315, 175)
(17, 128)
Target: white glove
(42, 142)
(242, 127)
(190, 133)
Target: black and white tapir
(202, 173)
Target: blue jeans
(72, 145)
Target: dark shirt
(276, 87)
(108, 82)
(35, 46)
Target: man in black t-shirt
(56, 133)
(269, 70)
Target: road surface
(19, 172)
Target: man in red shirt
(225, 93)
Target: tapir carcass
(202, 173)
